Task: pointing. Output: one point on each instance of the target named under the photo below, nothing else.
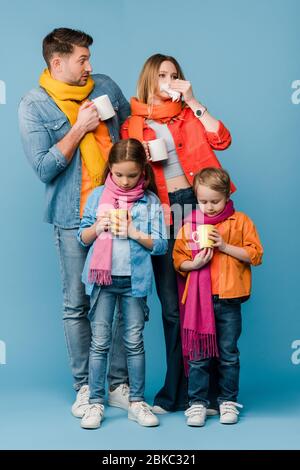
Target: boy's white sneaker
(81, 402)
(196, 415)
(229, 413)
(140, 412)
(93, 416)
(119, 397)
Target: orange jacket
(194, 146)
(231, 276)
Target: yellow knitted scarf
(69, 98)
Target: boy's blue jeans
(228, 328)
(101, 316)
(76, 306)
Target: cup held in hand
(200, 236)
(117, 216)
(104, 107)
(158, 150)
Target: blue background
(241, 58)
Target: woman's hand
(184, 87)
(202, 258)
(217, 238)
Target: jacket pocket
(58, 127)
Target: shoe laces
(124, 389)
(230, 407)
(195, 410)
(83, 395)
(94, 410)
(143, 408)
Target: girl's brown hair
(217, 179)
(148, 78)
(131, 150)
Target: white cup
(158, 150)
(104, 107)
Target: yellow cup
(200, 236)
(117, 216)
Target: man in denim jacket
(51, 145)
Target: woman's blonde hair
(216, 179)
(148, 78)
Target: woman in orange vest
(165, 108)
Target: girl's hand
(202, 258)
(131, 230)
(184, 87)
(217, 238)
(103, 223)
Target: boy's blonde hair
(216, 179)
(148, 78)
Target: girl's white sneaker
(140, 412)
(229, 413)
(93, 416)
(81, 402)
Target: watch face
(199, 112)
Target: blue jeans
(101, 317)
(228, 328)
(76, 305)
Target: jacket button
(191, 173)
(179, 146)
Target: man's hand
(88, 117)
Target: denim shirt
(147, 216)
(42, 125)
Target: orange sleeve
(181, 250)
(221, 139)
(251, 242)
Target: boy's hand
(202, 258)
(217, 238)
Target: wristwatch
(200, 112)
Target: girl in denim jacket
(123, 222)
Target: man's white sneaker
(119, 397)
(140, 412)
(229, 413)
(93, 416)
(158, 410)
(81, 402)
(196, 415)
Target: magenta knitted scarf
(197, 320)
(113, 197)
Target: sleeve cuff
(61, 161)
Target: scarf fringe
(100, 277)
(199, 345)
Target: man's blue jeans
(101, 315)
(228, 328)
(76, 305)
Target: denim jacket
(42, 125)
(147, 216)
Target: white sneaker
(81, 402)
(229, 413)
(211, 412)
(158, 410)
(196, 415)
(119, 397)
(140, 412)
(93, 416)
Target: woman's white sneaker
(140, 412)
(196, 415)
(81, 402)
(119, 397)
(93, 416)
(229, 413)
